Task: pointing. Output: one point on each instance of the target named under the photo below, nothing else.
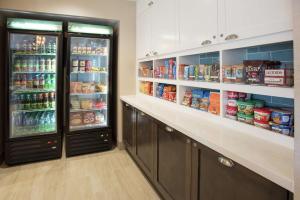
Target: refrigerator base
(89, 142)
(39, 149)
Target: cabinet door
(198, 22)
(249, 18)
(128, 127)
(143, 34)
(164, 37)
(172, 167)
(142, 5)
(228, 181)
(145, 143)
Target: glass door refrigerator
(33, 103)
(88, 125)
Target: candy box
(279, 77)
(282, 129)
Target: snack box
(279, 77)
(75, 119)
(285, 130)
(246, 107)
(282, 117)
(261, 124)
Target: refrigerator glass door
(32, 84)
(89, 70)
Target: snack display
(200, 72)
(232, 103)
(166, 92)
(88, 82)
(234, 74)
(145, 70)
(146, 87)
(166, 71)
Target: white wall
(297, 92)
(121, 10)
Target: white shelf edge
(200, 84)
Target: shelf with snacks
(165, 69)
(145, 69)
(166, 92)
(146, 87)
(201, 99)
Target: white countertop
(270, 160)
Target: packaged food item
(195, 103)
(279, 77)
(214, 103)
(82, 65)
(242, 117)
(214, 72)
(255, 70)
(187, 99)
(232, 95)
(99, 118)
(282, 117)
(228, 75)
(206, 72)
(186, 73)
(233, 117)
(75, 119)
(232, 102)
(191, 72)
(231, 110)
(181, 71)
(242, 96)
(246, 107)
(282, 129)
(172, 96)
(88, 118)
(75, 87)
(86, 104)
(87, 88)
(204, 101)
(239, 74)
(200, 76)
(262, 114)
(103, 88)
(261, 124)
(258, 103)
(75, 104)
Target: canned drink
(88, 65)
(42, 65)
(48, 64)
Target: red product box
(279, 77)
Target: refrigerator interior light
(32, 24)
(89, 28)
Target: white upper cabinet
(198, 22)
(143, 34)
(250, 18)
(164, 26)
(141, 6)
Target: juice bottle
(52, 79)
(47, 81)
(29, 83)
(45, 100)
(40, 101)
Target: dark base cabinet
(216, 177)
(83, 143)
(31, 150)
(182, 169)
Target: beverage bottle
(29, 83)
(18, 47)
(42, 65)
(24, 46)
(40, 101)
(41, 122)
(52, 121)
(53, 65)
(42, 82)
(29, 47)
(47, 81)
(53, 49)
(48, 122)
(45, 100)
(23, 81)
(49, 47)
(21, 102)
(17, 65)
(48, 65)
(43, 48)
(27, 104)
(52, 79)
(35, 66)
(24, 65)
(17, 81)
(34, 101)
(53, 102)
(36, 82)
(30, 64)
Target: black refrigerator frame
(40, 147)
(94, 139)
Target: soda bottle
(51, 100)
(36, 81)
(42, 82)
(53, 49)
(45, 101)
(43, 48)
(27, 104)
(17, 81)
(42, 65)
(40, 101)
(48, 65)
(52, 79)
(49, 47)
(17, 65)
(30, 64)
(36, 65)
(24, 65)
(24, 46)
(53, 65)
(34, 101)
(52, 122)
(21, 102)
(29, 83)
(23, 81)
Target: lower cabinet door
(216, 177)
(172, 163)
(145, 143)
(128, 127)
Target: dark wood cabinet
(216, 177)
(172, 163)
(145, 143)
(129, 121)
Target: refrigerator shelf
(23, 132)
(86, 110)
(88, 126)
(34, 54)
(35, 110)
(34, 90)
(87, 94)
(93, 72)
(43, 72)
(91, 55)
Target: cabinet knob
(169, 129)
(232, 37)
(155, 53)
(150, 3)
(147, 55)
(214, 37)
(206, 42)
(226, 162)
